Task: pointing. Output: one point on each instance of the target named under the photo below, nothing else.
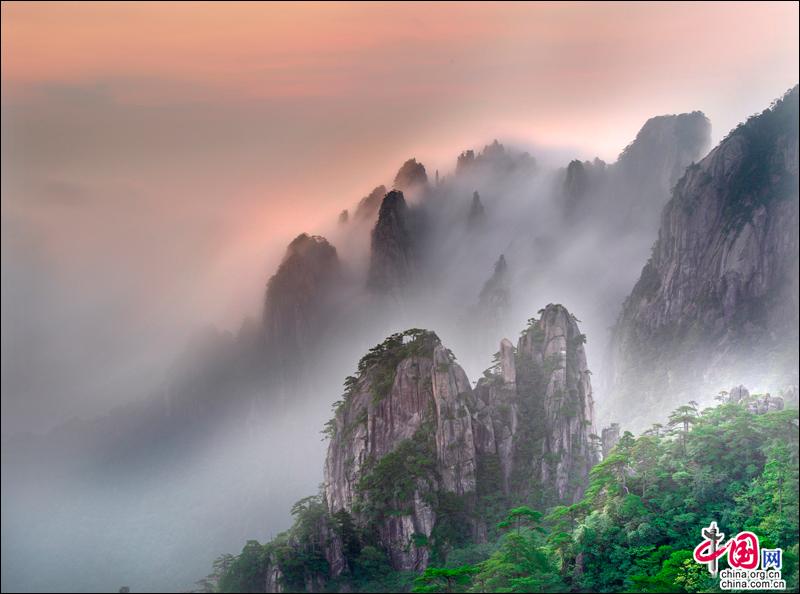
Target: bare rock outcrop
(476, 218)
(758, 404)
(411, 175)
(633, 190)
(411, 441)
(539, 411)
(299, 298)
(552, 369)
(408, 406)
(719, 295)
(494, 301)
(392, 256)
(609, 438)
(661, 151)
(368, 206)
(494, 161)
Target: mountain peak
(477, 213)
(722, 277)
(410, 175)
(411, 436)
(298, 295)
(392, 261)
(368, 206)
(494, 159)
(663, 148)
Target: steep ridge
(662, 150)
(392, 255)
(401, 435)
(718, 299)
(546, 382)
(416, 455)
(299, 298)
(634, 189)
(369, 205)
(410, 176)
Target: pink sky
(257, 121)
(157, 156)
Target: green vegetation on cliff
(762, 177)
(634, 530)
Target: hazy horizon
(157, 159)
(182, 147)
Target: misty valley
(553, 378)
(400, 296)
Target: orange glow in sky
(227, 128)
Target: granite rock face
(274, 581)
(496, 415)
(494, 161)
(575, 186)
(367, 209)
(738, 394)
(411, 434)
(632, 191)
(609, 438)
(535, 410)
(411, 175)
(758, 404)
(476, 218)
(494, 301)
(552, 370)
(719, 296)
(662, 150)
(299, 298)
(412, 392)
(392, 256)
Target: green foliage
(535, 329)
(519, 517)
(633, 531)
(381, 361)
(453, 525)
(762, 178)
(438, 579)
(493, 372)
(578, 339)
(379, 367)
(329, 429)
(523, 563)
(387, 486)
(647, 501)
(221, 566)
(246, 572)
(348, 533)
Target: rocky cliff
(542, 409)
(718, 299)
(299, 297)
(414, 449)
(661, 151)
(368, 206)
(476, 218)
(494, 300)
(411, 175)
(494, 161)
(401, 438)
(631, 192)
(580, 180)
(392, 255)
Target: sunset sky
(156, 157)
